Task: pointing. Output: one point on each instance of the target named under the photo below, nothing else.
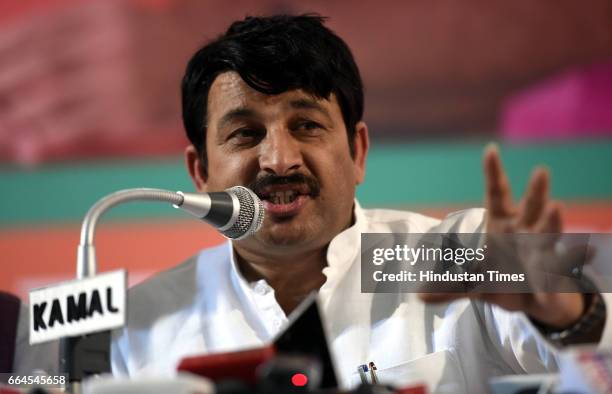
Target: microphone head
(250, 213)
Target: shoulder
(167, 291)
(163, 308)
(468, 220)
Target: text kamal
(78, 307)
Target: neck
(293, 277)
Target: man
(276, 104)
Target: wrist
(568, 309)
(587, 329)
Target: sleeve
(518, 341)
(523, 346)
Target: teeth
(286, 197)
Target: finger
(535, 199)
(498, 198)
(550, 226)
(551, 221)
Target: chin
(282, 239)
(287, 235)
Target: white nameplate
(78, 307)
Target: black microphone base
(84, 356)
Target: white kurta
(205, 305)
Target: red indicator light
(299, 379)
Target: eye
(309, 127)
(245, 136)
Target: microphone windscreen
(250, 214)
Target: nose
(280, 153)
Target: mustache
(260, 183)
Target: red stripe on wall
(38, 256)
(30, 255)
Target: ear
(195, 166)
(362, 144)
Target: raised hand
(536, 213)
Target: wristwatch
(582, 331)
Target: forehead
(229, 92)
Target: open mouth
(282, 197)
(284, 200)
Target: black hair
(272, 55)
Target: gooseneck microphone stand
(86, 253)
(86, 355)
(236, 212)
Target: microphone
(236, 212)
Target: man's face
(292, 149)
